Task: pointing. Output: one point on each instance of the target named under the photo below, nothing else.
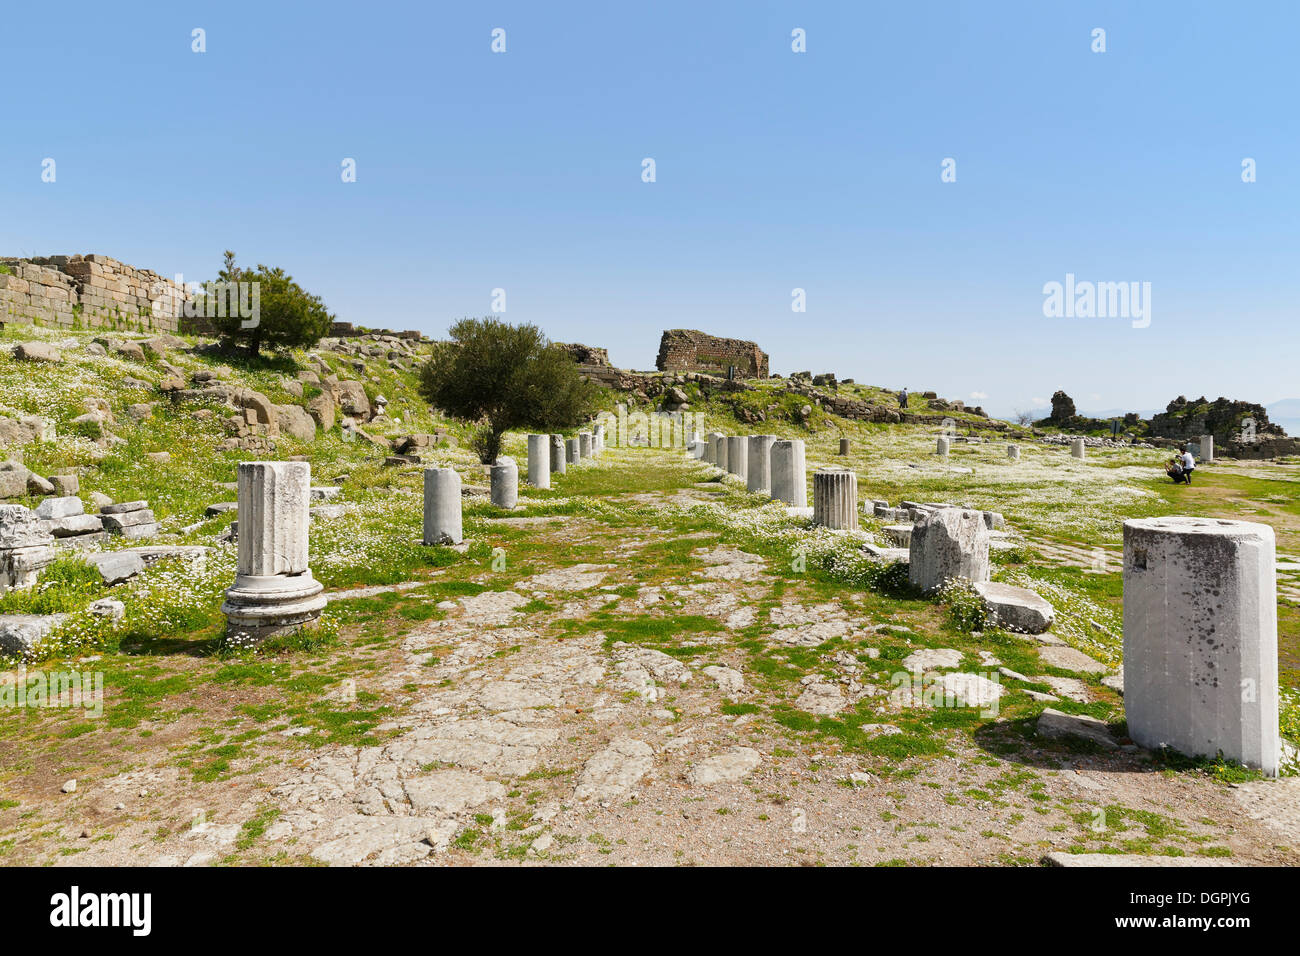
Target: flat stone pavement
(530, 745)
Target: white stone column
(789, 474)
(711, 447)
(1076, 447)
(724, 452)
(274, 591)
(1013, 452)
(946, 545)
(759, 475)
(274, 513)
(572, 451)
(539, 461)
(1200, 638)
(835, 499)
(597, 440)
(557, 454)
(844, 446)
(442, 507)
(738, 455)
(1207, 449)
(505, 483)
(585, 444)
(941, 447)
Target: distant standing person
(1189, 465)
(902, 399)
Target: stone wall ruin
(686, 350)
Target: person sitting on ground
(1189, 465)
(1174, 469)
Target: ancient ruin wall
(90, 291)
(686, 350)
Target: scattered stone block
(75, 525)
(1015, 609)
(65, 485)
(62, 507)
(37, 352)
(1055, 725)
(126, 507)
(21, 633)
(947, 545)
(121, 522)
(116, 567)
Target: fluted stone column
(835, 499)
(585, 444)
(759, 476)
(1076, 447)
(557, 454)
(941, 447)
(1013, 452)
(844, 446)
(274, 591)
(738, 455)
(539, 461)
(789, 474)
(1200, 638)
(1207, 449)
(505, 483)
(442, 514)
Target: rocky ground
(638, 682)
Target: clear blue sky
(775, 170)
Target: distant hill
(1286, 413)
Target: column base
(258, 607)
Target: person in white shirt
(1189, 465)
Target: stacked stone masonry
(92, 291)
(685, 350)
